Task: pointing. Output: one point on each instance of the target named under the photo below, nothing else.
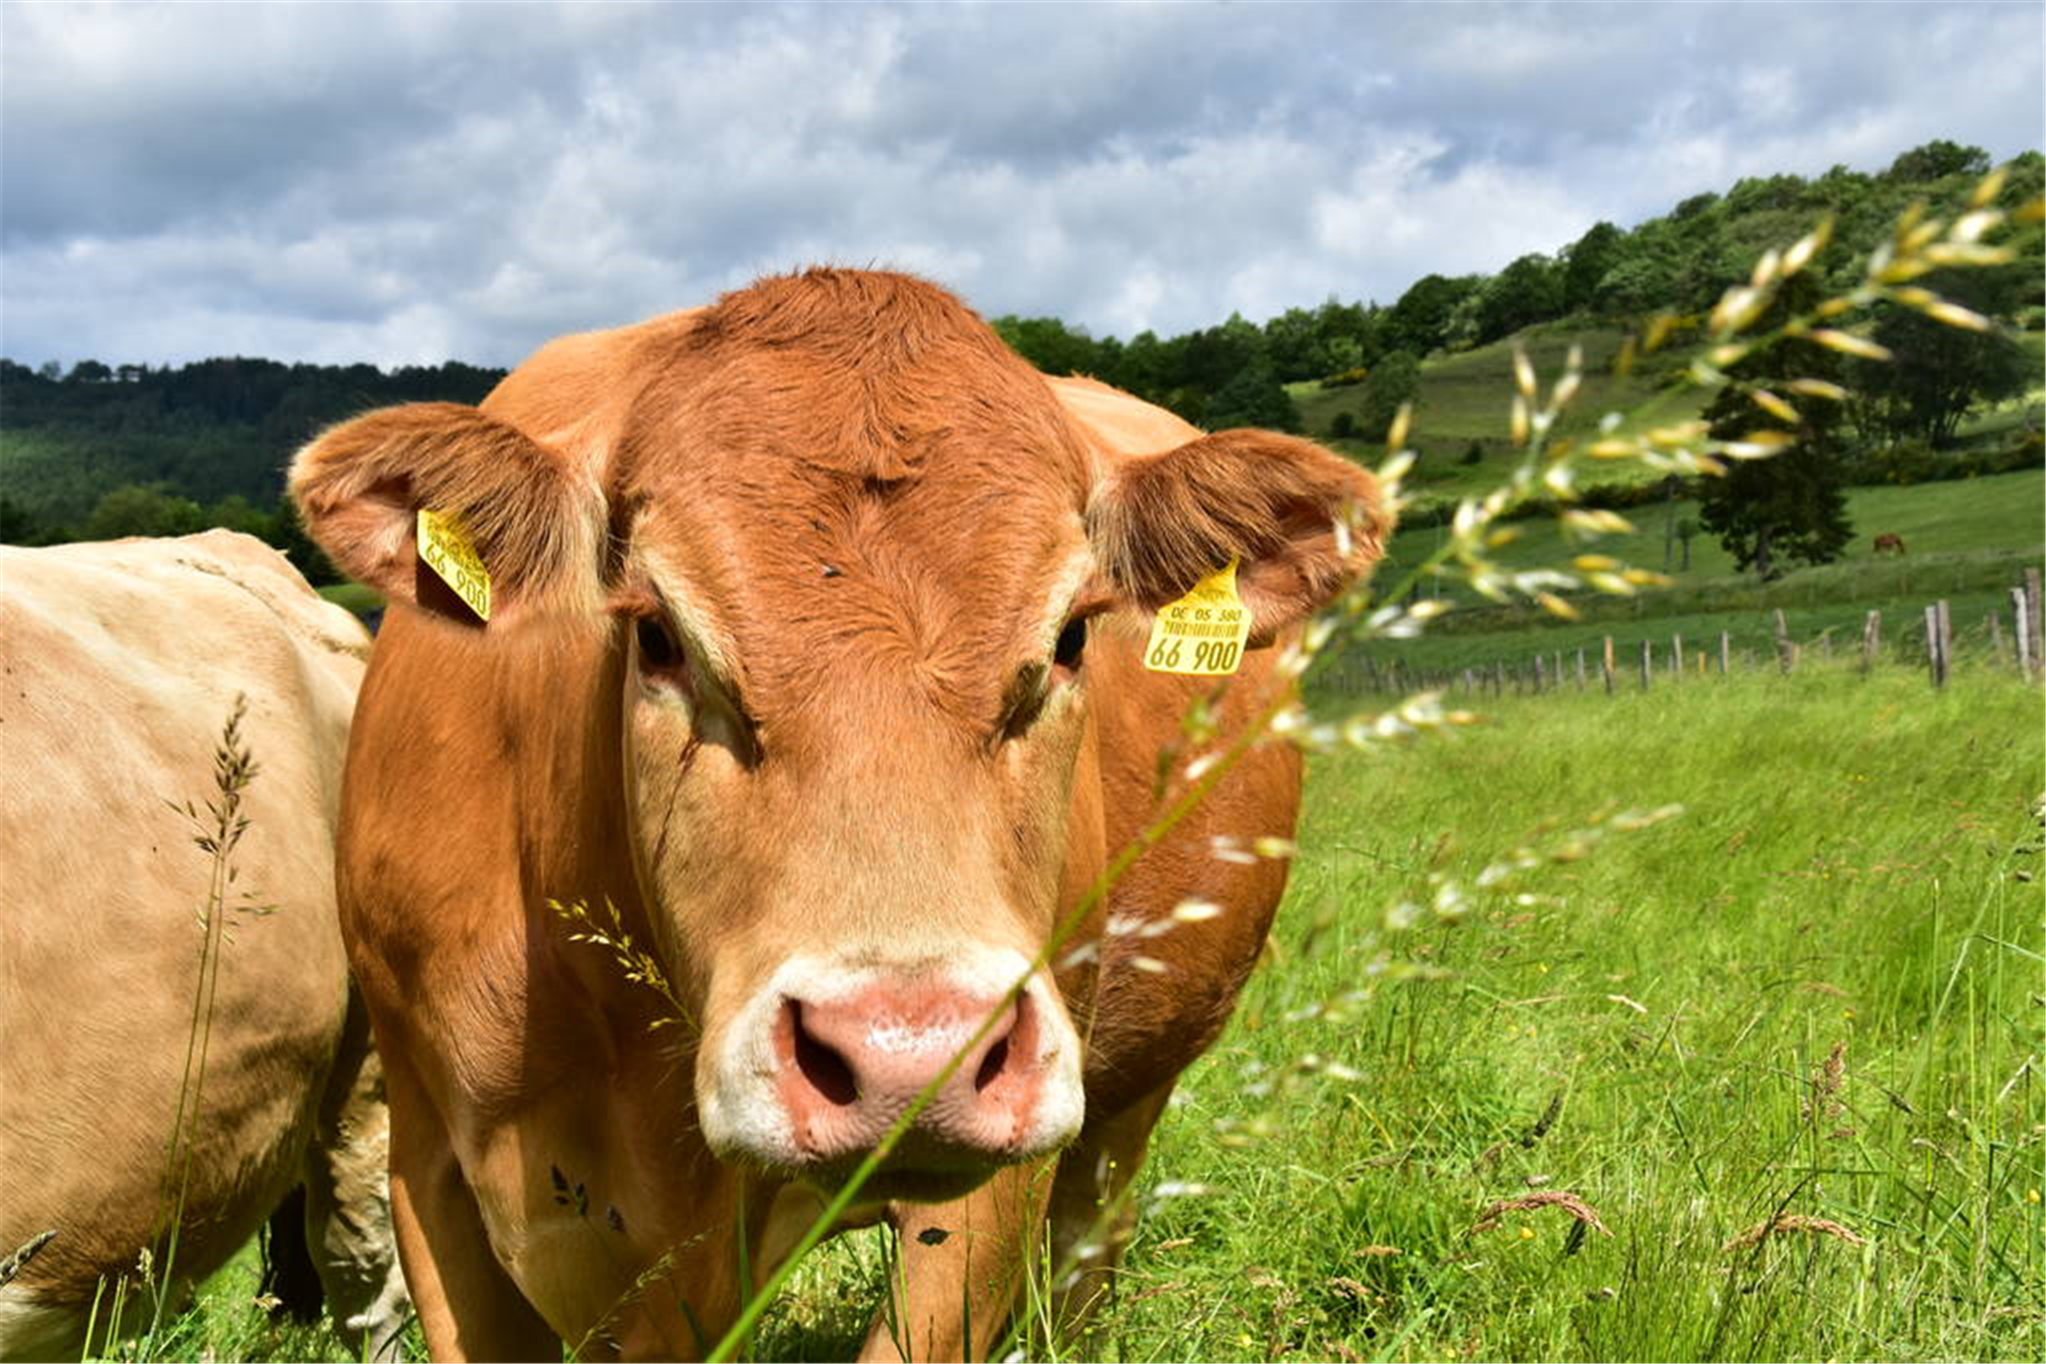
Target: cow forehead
(856, 478)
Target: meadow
(1810, 1003)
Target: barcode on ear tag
(1203, 633)
(446, 548)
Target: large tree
(1792, 505)
(1937, 371)
(1395, 379)
(1253, 398)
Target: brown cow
(122, 663)
(1889, 542)
(814, 651)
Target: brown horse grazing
(815, 654)
(1889, 542)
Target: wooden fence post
(1676, 658)
(1580, 667)
(1725, 653)
(1647, 664)
(1609, 665)
(2021, 631)
(1995, 637)
(1936, 642)
(2032, 618)
(1786, 658)
(1871, 639)
(1541, 680)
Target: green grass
(1848, 872)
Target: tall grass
(1651, 1032)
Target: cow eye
(661, 656)
(1071, 644)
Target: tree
(1792, 505)
(1528, 291)
(1939, 371)
(1586, 261)
(1936, 160)
(18, 526)
(139, 509)
(1048, 344)
(1253, 398)
(1419, 322)
(1395, 380)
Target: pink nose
(849, 1067)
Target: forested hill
(116, 449)
(1678, 263)
(179, 448)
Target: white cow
(120, 666)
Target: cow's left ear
(1160, 523)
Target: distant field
(1968, 541)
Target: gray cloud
(412, 183)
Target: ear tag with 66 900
(1203, 633)
(447, 550)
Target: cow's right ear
(535, 519)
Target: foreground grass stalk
(233, 769)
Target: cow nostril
(822, 1066)
(991, 1065)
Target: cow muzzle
(960, 1072)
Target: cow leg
(347, 1211)
(290, 1278)
(959, 1267)
(468, 1307)
(1092, 1215)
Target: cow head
(850, 553)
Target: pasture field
(1815, 993)
(1969, 541)
(1854, 875)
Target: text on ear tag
(446, 549)
(1203, 633)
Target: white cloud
(418, 182)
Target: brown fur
(864, 521)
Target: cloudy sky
(341, 182)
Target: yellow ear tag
(1203, 633)
(445, 548)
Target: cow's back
(121, 664)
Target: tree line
(102, 451)
(1234, 373)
